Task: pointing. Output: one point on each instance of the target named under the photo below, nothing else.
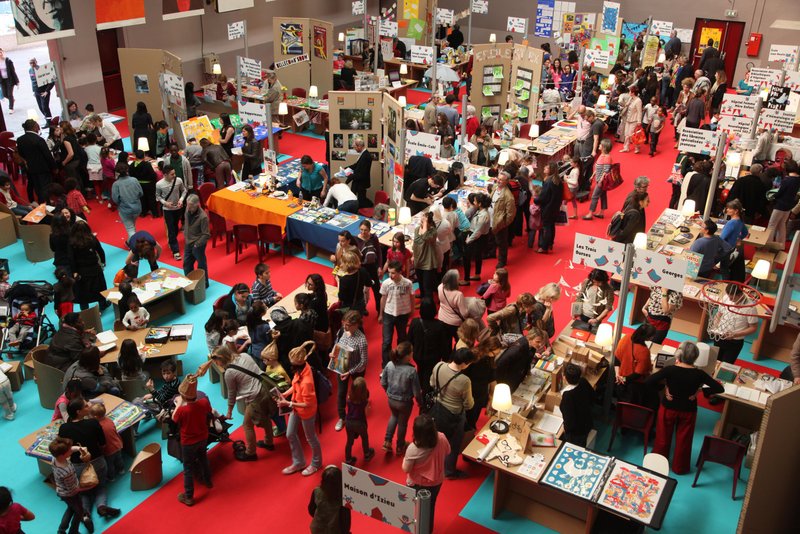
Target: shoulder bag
(432, 396)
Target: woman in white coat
(633, 118)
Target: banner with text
(598, 253)
(481, 7)
(661, 28)
(697, 141)
(517, 25)
(249, 68)
(444, 16)
(760, 78)
(383, 500)
(291, 61)
(653, 269)
(359, 7)
(786, 54)
(46, 74)
(422, 144)
(779, 119)
(252, 112)
(422, 54)
(235, 30)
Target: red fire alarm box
(754, 43)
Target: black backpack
(617, 225)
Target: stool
(146, 468)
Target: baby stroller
(36, 293)
(217, 430)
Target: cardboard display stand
(526, 76)
(490, 60)
(393, 142)
(310, 43)
(414, 11)
(353, 115)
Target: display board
(306, 45)
(489, 93)
(526, 76)
(413, 17)
(353, 115)
(394, 132)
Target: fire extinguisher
(754, 44)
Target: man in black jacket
(38, 158)
(576, 407)
(673, 46)
(42, 94)
(514, 364)
(708, 53)
(143, 171)
(750, 190)
(360, 178)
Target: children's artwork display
(125, 415)
(492, 80)
(291, 38)
(118, 13)
(577, 471)
(610, 17)
(178, 9)
(321, 42)
(637, 493)
(36, 20)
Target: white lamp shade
(216, 68)
(733, 159)
(501, 400)
(688, 208)
(313, 92)
(640, 241)
(502, 159)
(761, 270)
(492, 37)
(604, 336)
(341, 37)
(533, 133)
(403, 68)
(404, 217)
(702, 358)
(143, 144)
(402, 100)
(612, 79)
(283, 108)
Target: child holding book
(401, 382)
(112, 450)
(356, 421)
(236, 340)
(273, 365)
(67, 487)
(137, 316)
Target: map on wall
(291, 38)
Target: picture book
(125, 415)
(157, 334)
(533, 466)
(340, 361)
(181, 331)
(577, 471)
(632, 491)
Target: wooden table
(164, 302)
(321, 114)
(162, 350)
(110, 402)
(402, 90)
(240, 208)
(738, 414)
(416, 70)
(287, 302)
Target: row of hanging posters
(38, 20)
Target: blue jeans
(390, 324)
(129, 222)
(401, 412)
(195, 457)
(602, 196)
(192, 254)
(98, 494)
(72, 515)
(292, 434)
(114, 465)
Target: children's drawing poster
(410, 9)
(631, 30)
(383, 500)
(577, 471)
(321, 42)
(632, 491)
(606, 43)
(545, 10)
(610, 18)
(706, 33)
(291, 38)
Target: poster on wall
(631, 30)
(545, 10)
(715, 34)
(236, 30)
(37, 20)
(786, 54)
(606, 43)
(291, 38)
(110, 14)
(224, 6)
(610, 18)
(178, 9)
(661, 28)
(416, 29)
(410, 9)
(422, 144)
(321, 42)
(141, 83)
(778, 97)
(684, 34)
(422, 54)
(383, 500)
(517, 25)
(480, 7)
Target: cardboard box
(8, 235)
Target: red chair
(243, 234)
(381, 197)
(325, 96)
(299, 92)
(721, 451)
(524, 130)
(205, 191)
(633, 417)
(220, 301)
(271, 234)
(220, 228)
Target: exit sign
(731, 13)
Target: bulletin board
(301, 37)
(526, 77)
(394, 151)
(487, 59)
(353, 115)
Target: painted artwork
(577, 471)
(37, 20)
(606, 43)
(291, 38)
(118, 13)
(178, 9)
(632, 491)
(610, 18)
(142, 83)
(709, 33)
(321, 42)
(631, 30)
(392, 125)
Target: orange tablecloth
(240, 208)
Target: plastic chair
(205, 191)
(721, 451)
(243, 234)
(381, 197)
(656, 462)
(132, 389)
(146, 472)
(196, 291)
(299, 92)
(271, 234)
(49, 380)
(219, 228)
(633, 417)
(91, 318)
(36, 240)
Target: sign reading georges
(383, 500)
(597, 253)
(654, 269)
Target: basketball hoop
(722, 312)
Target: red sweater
(192, 418)
(113, 441)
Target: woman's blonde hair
(349, 261)
(348, 64)
(469, 331)
(549, 291)
(223, 355)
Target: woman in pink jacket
(424, 459)
(453, 307)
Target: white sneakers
(339, 425)
(308, 471)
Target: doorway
(108, 41)
(727, 36)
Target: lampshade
(612, 79)
(216, 68)
(604, 336)
(533, 133)
(341, 37)
(313, 92)
(143, 144)
(404, 217)
(761, 270)
(688, 208)
(402, 100)
(492, 38)
(702, 358)
(501, 400)
(33, 115)
(502, 159)
(640, 241)
(734, 158)
(283, 108)
(403, 68)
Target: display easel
(526, 72)
(316, 70)
(486, 57)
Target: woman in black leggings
(479, 227)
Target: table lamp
(143, 144)
(533, 133)
(403, 69)
(313, 97)
(687, 211)
(761, 271)
(341, 37)
(283, 108)
(501, 402)
(404, 216)
(640, 241)
(604, 336)
(402, 101)
(492, 37)
(216, 68)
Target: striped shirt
(264, 292)
(66, 479)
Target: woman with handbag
(633, 120)
(452, 304)
(599, 193)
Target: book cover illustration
(632, 491)
(340, 361)
(577, 471)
